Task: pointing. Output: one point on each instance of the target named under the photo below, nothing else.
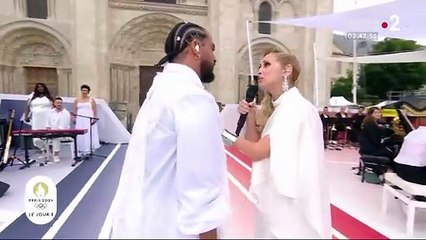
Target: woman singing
(288, 176)
(39, 105)
(84, 108)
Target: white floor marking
(243, 164)
(107, 226)
(337, 234)
(242, 189)
(50, 234)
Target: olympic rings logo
(40, 205)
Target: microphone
(76, 115)
(250, 95)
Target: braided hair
(178, 39)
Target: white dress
(40, 108)
(83, 141)
(291, 185)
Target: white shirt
(58, 119)
(174, 178)
(413, 150)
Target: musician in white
(288, 176)
(410, 164)
(58, 119)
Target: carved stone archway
(140, 42)
(25, 45)
(141, 36)
(259, 46)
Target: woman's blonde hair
(267, 106)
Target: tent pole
(355, 74)
(316, 75)
(249, 52)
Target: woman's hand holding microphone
(245, 107)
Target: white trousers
(56, 144)
(39, 143)
(42, 144)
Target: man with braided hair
(174, 178)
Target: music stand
(330, 133)
(91, 154)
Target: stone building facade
(112, 45)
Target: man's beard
(206, 72)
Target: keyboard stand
(77, 159)
(27, 162)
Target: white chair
(406, 194)
(68, 142)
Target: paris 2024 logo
(40, 200)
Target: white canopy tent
(404, 21)
(405, 57)
(339, 101)
(384, 103)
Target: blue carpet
(68, 188)
(94, 207)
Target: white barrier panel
(110, 129)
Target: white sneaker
(56, 159)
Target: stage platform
(85, 194)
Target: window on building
(162, 1)
(37, 9)
(265, 14)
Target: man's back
(174, 178)
(185, 161)
(413, 150)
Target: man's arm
(66, 120)
(201, 166)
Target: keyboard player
(58, 119)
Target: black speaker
(3, 188)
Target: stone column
(306, 82)
(226, 84)
(323, 38)
(89, 46)
(324, 42)
(20, 8)
(51, 9)
(103, 46)
(16, 79)
(134, 92)
(3, 82)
